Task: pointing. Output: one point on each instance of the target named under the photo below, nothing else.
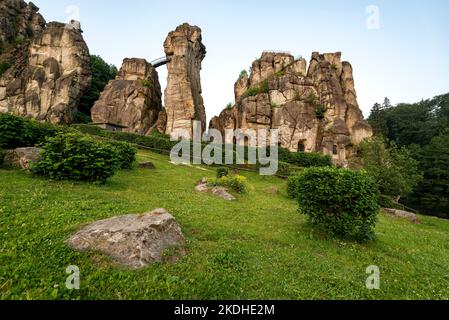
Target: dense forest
(421, 132)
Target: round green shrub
(222, 172)
(312, 159)
(126, 153)
(15, 132)
(344, 202)
(292, 186)
(18, 132)
(73, 156)
(235, 182)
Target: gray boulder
(402, 214)
(22, 157)
(132, 240)
(223, 193)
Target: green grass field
(258, 247)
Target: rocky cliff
(183, 101)
(18, 21)
(315, 110)
(49, 67)
(133, 99)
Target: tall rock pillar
(183, 101)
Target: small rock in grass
(223, 193)
(147, 165)
(402, 214)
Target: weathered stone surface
(402, 214)
(221, 192)
(132, 240)
(49, 75)
(314, 110)
(201, 186)
(133, 99)
(19, 21)
(183, 100)
(22, 157)
(147, 165)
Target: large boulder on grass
(134, 240)
(22, 157)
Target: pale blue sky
(406, 59)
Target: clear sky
(398, 49)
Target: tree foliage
(102, 72)
(393, 168)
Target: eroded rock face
(132, 240)
(133, 99)
(315, 110)
(49, 75)
(19, 21)
(183, 100)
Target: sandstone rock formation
(133, 99)
(183, 101)
(19, 21)
(132, 240)
(49, 74)
(315, 110)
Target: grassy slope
(258, 247)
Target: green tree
(102, 72)
(393, 168)
(378, 121)
(432, 195)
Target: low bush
(292, 186)
(126, 153)
(286, 169)
(260, 88)
(235, 182)
(312, 159)
(2, 156)
(4, 66)
(17, 132)
(222, 172)
(344, 202)
(78, 157)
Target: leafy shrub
(146, 83)
(243, 74)
(222, 172)
(2, 156)
(76, 157)
(311, 98)
(126, 153)
(261, 88)
(306, 159)
(235, 182)
(17, 132)
(320, 111)
(342, 201)
(292, 186)
(4, 66)
(286, 169)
